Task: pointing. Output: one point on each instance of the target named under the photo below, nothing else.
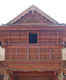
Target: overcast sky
(11, 8)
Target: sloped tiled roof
(33, 15)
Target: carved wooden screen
(43, 53)
(48, 38)
(34, 53)
(49, 43)
(21, 53)
(10, 53)
(44, 50)
(17, 53)
(16, 37)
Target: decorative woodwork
(45, 56)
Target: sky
(9, 9)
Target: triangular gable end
(33, 15)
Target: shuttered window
(32, 38)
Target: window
(32, 37)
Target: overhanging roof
(33, 8)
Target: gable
(33, 15)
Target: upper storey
(32, 15)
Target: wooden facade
(33, 61)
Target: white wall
(2, 54)
(64, 54)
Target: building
(33, 47)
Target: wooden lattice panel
(3, 35)
(22, 53)
(34, 53)
(50, 39)
(18, 36)
(16, 53)
(44, 54)
(48, 35)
